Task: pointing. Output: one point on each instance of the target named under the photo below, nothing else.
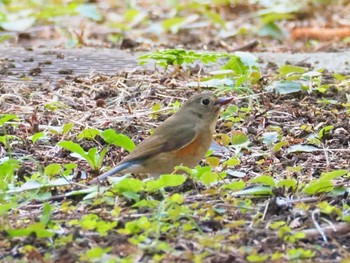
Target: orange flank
(320, 33)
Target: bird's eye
(205, 101)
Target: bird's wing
(166, 141)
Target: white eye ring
(205, 102)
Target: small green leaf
(235, 186)
(7, 170)
(286, 70)
(165, 180)
(173, 24)
(272, 30)
(7, 117)
(37, 228)
(213, 161)
(247, 58)
(277, 224)
(95, 253)
(284, 87)
(4, 208)
(172, 180)
(278, 146)
(232, 162)
(333, 174)
(318, 186)
(299, 253)
(177, 198)
(52, 169)
(88, 133)
(238, 138)
(73, 147)
(128, 185)
(37, 136)
(208, 178)
(324, 130)
(67, 127)
(46, 214)
(257, 190)
(287, 183)
(120, 140)
(263, 179)
(257, 258)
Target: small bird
(182, 139)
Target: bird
(182, 139)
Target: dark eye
(205, 101)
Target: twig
(318, 227)
(248, 46)
(265, 210)
(338, 229)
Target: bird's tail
(111, 172)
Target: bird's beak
(223, 101)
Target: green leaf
(239, 138)
(236, 65)
(235, 186)
(263, 179)
(318, 186)
(73, 147)
(215, 18)
(37, 136)
(37, 228)
(232, 162)
(177, 198)
(278, 146)
(284, 87)
(52, 169)
(89, 133)
(173, 24)
(46, 214)
(67, 127)
(120, 140)
(128, 185)
(324, 130)
(299, 253)
(257, 258)
(333, 174)
(4, 208)
(257, 190)
(272, 30)
(92, 157)
(7, 117)
(136, 226)
(213, 161)
(287, 183)
(7, 170)
(247, 59)
(286, 70)
(209, 177)
(165, 180)
(96, 253)
(69, 168)
(172, 180)
(277, 224)
(104, 227)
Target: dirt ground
(267, 204)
